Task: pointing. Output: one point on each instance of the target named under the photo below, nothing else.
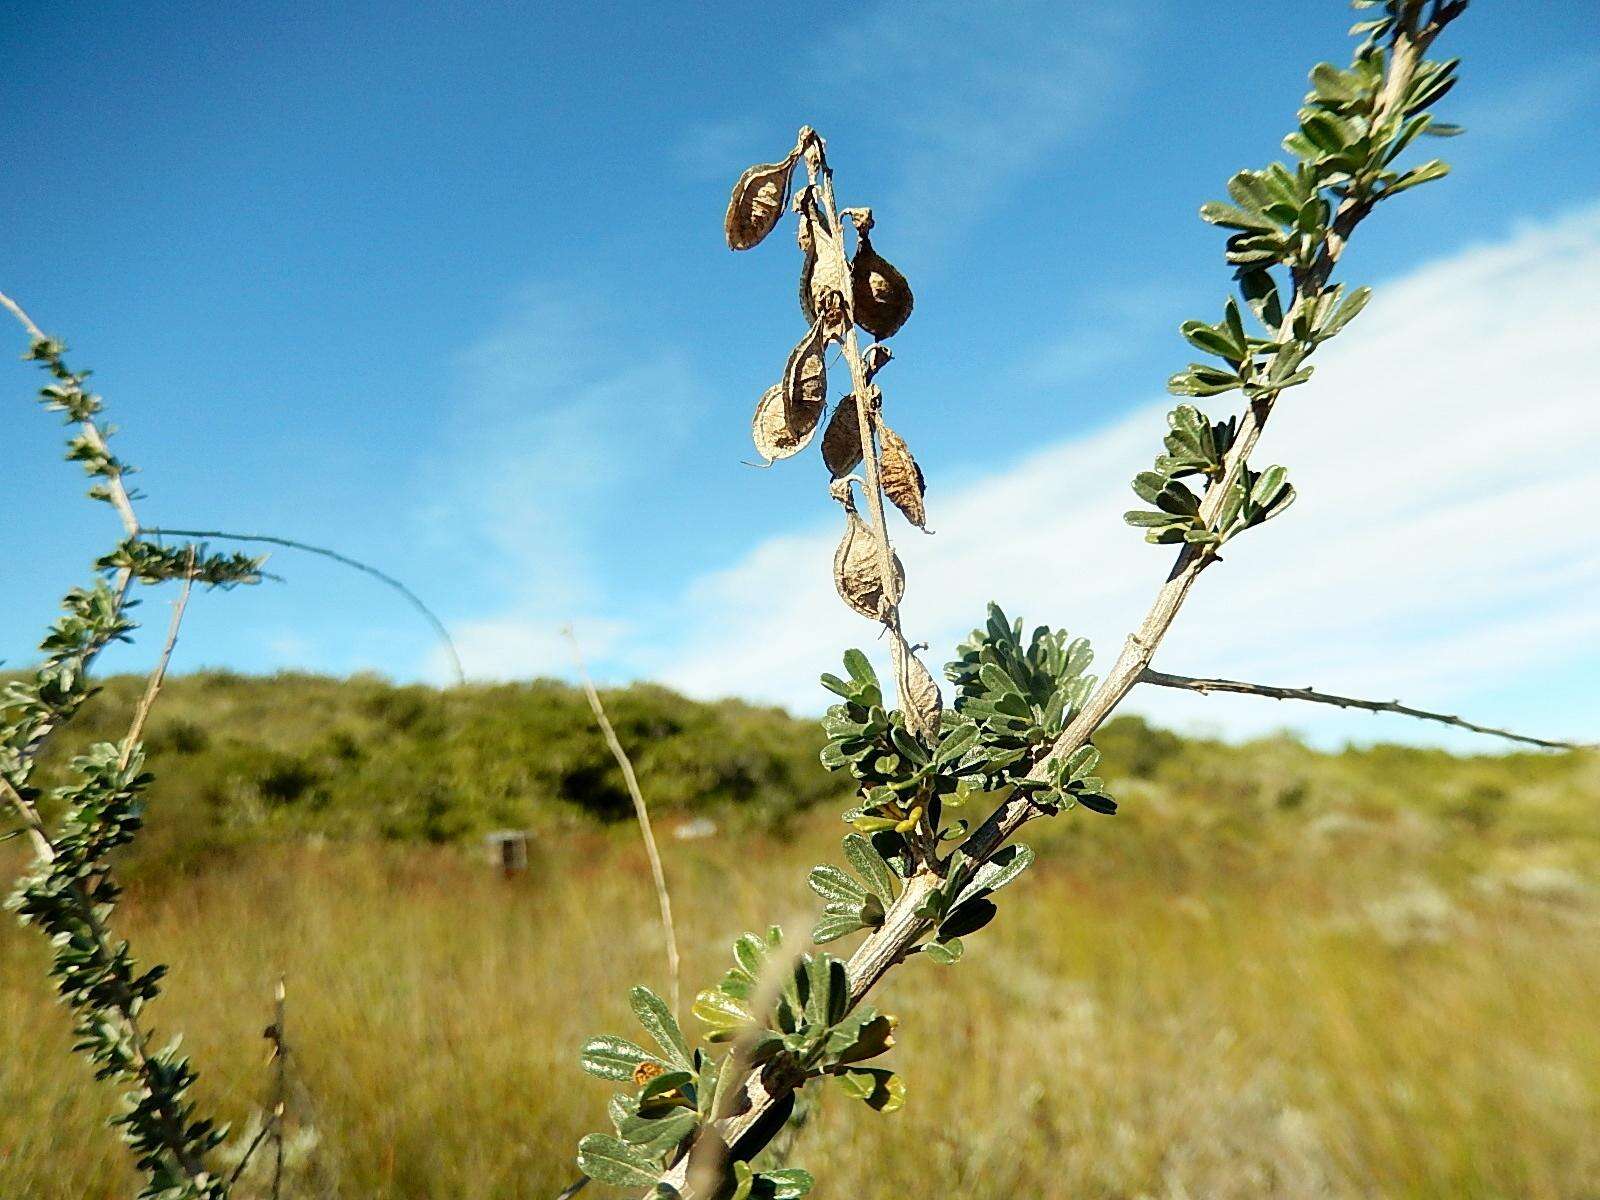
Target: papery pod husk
(901, 477)
(775, 434)
(879, 295)
(875, 358)
(821, 278)
(758, 201)
(841, 440)
(855, 569)
(918, 692)
(805, 379)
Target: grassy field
(1274, 974)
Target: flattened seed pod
(805, 378)
(901, 477)
(757, 202)
(855, 569)
(841, 440)
(776, 435)
(924, 704)
(879, 294)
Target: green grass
(1274, 974)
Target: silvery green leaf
(944, 952)
(1006, 864)
(1215, 212)
(832, 884)
(872, 868)
(956, 743)
(613, 1057)
(1147, 485)
(661, 1025)
(610, 1160)
(652, 1137)
(832, 926)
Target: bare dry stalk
(158, 673)
(355, 564)
(1206, 686)
(641, 811)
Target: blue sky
(446, 290)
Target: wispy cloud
(972, 107)
(1444, 455)
(558, 410)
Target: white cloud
(971, 106)
(1442, 542)
(558, 411)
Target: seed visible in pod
(805, 378)
(841, 440)
(855, 563)
(901, 477)
(776, 436)
(918, 692)
(757, 202)
(879, 294)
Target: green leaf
(1260, 292)
(832, 884)
(788, 1183)
(1347, 312)
(870, 865)
(1100, 804)
(610, 1160)
(613, 1057)
(722, 1013)
(832, 926)
(1215, 212)
(881, 1089)
(944, 952)
(661, 1025)
(860, 669)
(1006, 864)
(1149, 519)
(1428, 171)
(667, 1081)
(956, 742)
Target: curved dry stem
(1206, 686)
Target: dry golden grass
(1171, 1005)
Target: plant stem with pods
(903, 924)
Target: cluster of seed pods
(839, 294)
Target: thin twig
(158, 673)
(1206, 686)
(280, 1046)
(639, 810)
(365, 568)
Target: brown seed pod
(901, 477)
(758, 201)
(775, 435)
(855, 565)
(822, 284)
(918, 691)
(875, 358)
(841, 440)
(805, 379)
(879, 294)
(646, 1071)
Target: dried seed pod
(879, 294)
(856, 573)
(805, 379)
(875, 358)
(822, 281)
(901, 477)
(776, 435)
(841, 440)
(757, 202)
(918, 692)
